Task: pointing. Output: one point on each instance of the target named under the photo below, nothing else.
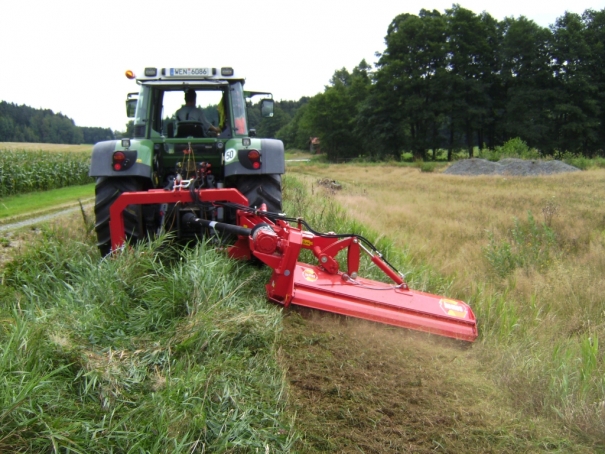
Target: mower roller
(274, 240)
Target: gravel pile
(508, 166)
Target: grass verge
(43, 201)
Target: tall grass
(23, 171)
(532, 246)
(320, 208)
(154, 350)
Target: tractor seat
(189, 129)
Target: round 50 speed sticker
(230, 154)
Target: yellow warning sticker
(453, 308)
(309, 275)
(307, 242)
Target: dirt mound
(508, 166)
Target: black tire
(107, 190)
(262, 189)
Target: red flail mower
(277, 241)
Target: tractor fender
(102, 158)
(272, 157)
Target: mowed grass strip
(38, 203)
(528, 254)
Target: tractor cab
(220, 104)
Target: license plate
(199, 72)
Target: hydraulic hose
(191, 219)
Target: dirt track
(36, 220)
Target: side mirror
(266, 108)
(131, 105)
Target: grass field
(159, 350)
(527, 253)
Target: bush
(514, 148)
(530, 246)
(425, 166)
(407, 157)
(576, 160)
(599, 162)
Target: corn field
(24, 171)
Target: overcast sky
(70, 55)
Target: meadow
(163, 349)
(528, 254)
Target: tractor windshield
(195, 112)
(209, 109)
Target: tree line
(21, 123)
(458, 80)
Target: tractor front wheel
(107, 190)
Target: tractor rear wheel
(107, 190)
(262, 189)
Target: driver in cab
(189, 112)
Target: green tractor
(190, 132)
